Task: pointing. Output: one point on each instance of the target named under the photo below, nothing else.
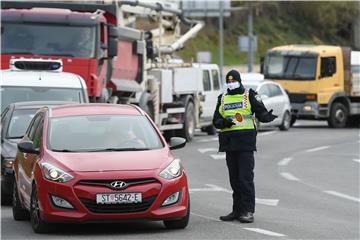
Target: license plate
(118, 198)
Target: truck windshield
(24, 94)
(49, 40)
(292, 67)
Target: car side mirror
(263, 96)
(177, 142)
(27, 147)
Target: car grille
(92, 206)
(106, 183)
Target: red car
(95, 162)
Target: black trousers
(241, 173)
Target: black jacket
(240, 140)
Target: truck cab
(317, 79)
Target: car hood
(9, 147)
(110, 161)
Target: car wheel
(338, 115)
(210, 130)
(38, 225)
(19, 213)
(286, 122)
(180, 223)
(293, 120)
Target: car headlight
(55, 174)
(8, 163)
(173, 170)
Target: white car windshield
(108, 133)
(25, 94)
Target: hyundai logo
(118, 184)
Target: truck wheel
(338, 115)
(189, 122)
(286, 122)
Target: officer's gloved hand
(269, 116)
(228, 122)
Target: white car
(273, 96)
(20, 85)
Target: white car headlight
(55, 174)
(173, 170)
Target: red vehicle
(121, 169)
(83, 36)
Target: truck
(318, 80)
(120, 56)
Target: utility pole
(221, 39)
(250, 39)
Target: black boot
(230, 217)
(246, 217)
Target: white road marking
(334, 193)
(213, 139)
(266, 133)
(215, 188)
(356, 160)
(218, 156)
(258, 230)
(289, 176)
(206, 217)
(266, 232)
(317, 149)
(285, 161)
(204, 150)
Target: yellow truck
(319, 81)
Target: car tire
(286, 122)
(179, 223)
(37, 224)
(188, 129)
(339, 115)
(293, 120)
(19, 213)
(210, 130)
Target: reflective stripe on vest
(232, 105)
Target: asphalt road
(307, 187)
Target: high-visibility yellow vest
(235, 105)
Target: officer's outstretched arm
(258, 107)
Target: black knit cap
(233, 74)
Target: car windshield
(24, 94)
(44, 39)
(108, 133)
(292, 67)
(19, 122)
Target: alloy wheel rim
(287, 120)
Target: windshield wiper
(57, 54)
(119, 149)
(24, 53)
(62, 150)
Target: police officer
(234, 115)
